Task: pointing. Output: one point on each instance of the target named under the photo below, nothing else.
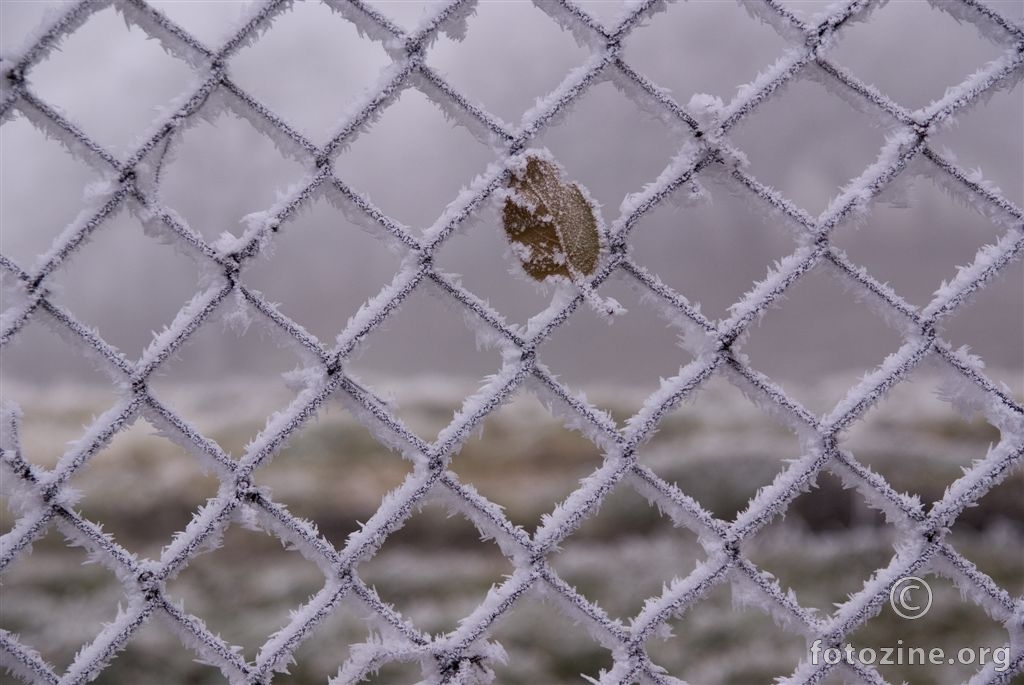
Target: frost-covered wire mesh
(466, 654)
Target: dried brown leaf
(552, 226)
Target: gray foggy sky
(411, 162)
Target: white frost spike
(664, 187)
(607, 307)
(707, 110)
(10, 419)
(238, 317)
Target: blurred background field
(719, 449)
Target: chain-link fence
(466, 654)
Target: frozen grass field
(436, 569)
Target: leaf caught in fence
(552, 226)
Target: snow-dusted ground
(719, 449)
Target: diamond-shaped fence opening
(815, 345)
(974, 139)
(943, 49)
(817, 165)
(85, 63)
(400, 181)
(962, 328)
(653, 551)
(698, 28)
(883, 245)
(27, 155)
(408, 172)
(532, 60)
(337, 63)
(516, 443)
(152, 285)
(700, 653)
(723, 466)
(213, 145)
(162, 486)
(611, 350)
(71, 602)
(326, 296)
(687, 244)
